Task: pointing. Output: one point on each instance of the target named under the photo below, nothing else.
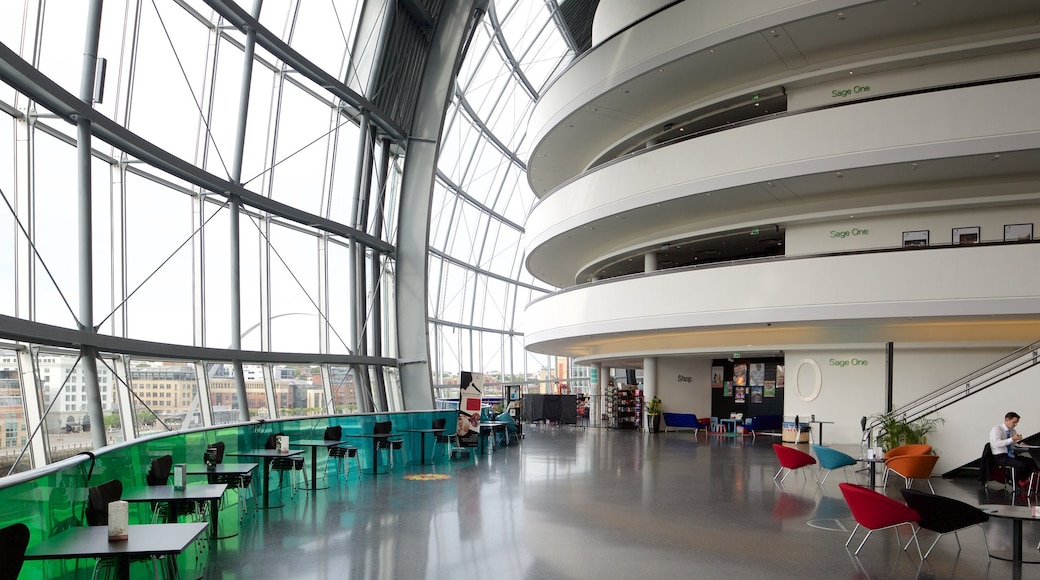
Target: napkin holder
(179, 477)
(282, 443)
(118, 521)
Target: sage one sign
(851, 362)
(845, 92)
(842, 234)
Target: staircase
(973, 404)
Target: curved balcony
(693, 59)
(962, 147)
(969, 294)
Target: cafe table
(422, 439)
(314, 444)
(172, 497)
(266, 455)
(492, 426)
(1017, 515)
(144, 540)
(375, 437)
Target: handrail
(974, 382)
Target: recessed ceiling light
(839, 175)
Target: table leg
(375, 456)
(819, 435)
(267, 476)
(1016, 540)
(214, 508)
(123, 567)
(314, 469)
(422, 448)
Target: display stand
(515, 406)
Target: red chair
(791, 459)
(875, 511)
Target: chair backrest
(912, 449)
(792, 458)
(942, 514)
(383, 427)
(873, 510)
(159, 470)
(334, 433)
(219, 448)
(913, 466)
(832, 458)
(440, 423)
(98, 498)
(14, 539)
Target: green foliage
(654, 406)
(894, 431)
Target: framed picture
(716, 377)
(963, 236)
(1018, 232)
(740, 375)
(915, 239)
(758, 375)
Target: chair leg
(852, 535)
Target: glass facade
(202, 199)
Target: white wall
(852, 385)
(841, 235)
(684, 385)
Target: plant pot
(655, 423)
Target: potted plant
(653, 412)
(894, 430)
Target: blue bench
(771, 424)
(681, 421)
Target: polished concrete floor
(574, 503)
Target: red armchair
(791, 459)
(875, 511)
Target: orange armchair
(875, 511)
(791, 459)
(911, 467)
(912, 449)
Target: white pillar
(650, 262)
(649, 385)
(597, 386)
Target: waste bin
(795, 433)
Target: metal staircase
(1003, 385)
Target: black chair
(443, 440)
(340, 452)
(98, 498)
(240, 483)
(159, 474)
(14, 539)
(284, 465)
(990, 471)
(391, 445)
(96, 512)
(159, 470)
(943, 515)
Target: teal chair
(831, 459)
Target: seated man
(1002, 440)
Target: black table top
(92, 542)
(220, 469)
(266, 453)
(167, 492)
